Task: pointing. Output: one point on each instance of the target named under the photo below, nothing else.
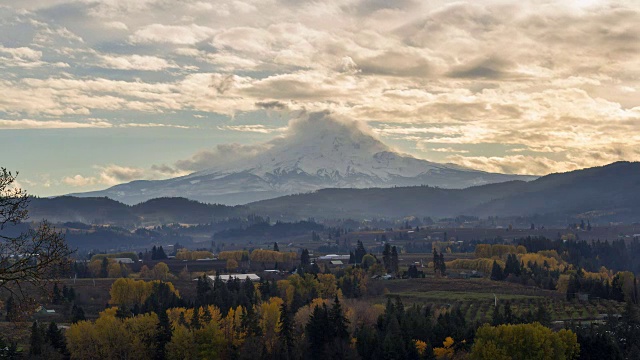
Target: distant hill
(610, 193)
(106, 211)
(607, 193)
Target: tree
(304, 258)
(275, 246)
(360, 252)
(496, 272)
(534, 341)
(163, 335)
(36, 343)
(394, 260)
(37, 256)
(286, 331)
(386, 257)
(55, 338)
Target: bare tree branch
(36, 256)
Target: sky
(98, 92)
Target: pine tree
(275, 246)
(37, 340)
(286, 331)
(394, 260)
(317, 330)
(195, 319)
(163, 335)
(77, 314)
(304, 258)
(55, 337)
(338, 321)
(441, 263)
(104, 268)
(360, 252)
(386, 257)
(496, 272)
(56, 294)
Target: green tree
(496, 272)
(286, 332)
(163, 335)
(37, 341)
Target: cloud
(135, 62)
(172, 34)
(220, 155)
(79, 181)
(517, 164)
(251, 128)
(51, 124)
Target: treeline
(297, 318)
(265, 229)
(617, 255)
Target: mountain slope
(610, 192)
(317, 152)
(106, 211)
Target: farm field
(475, 298)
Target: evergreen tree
(394, 260)
(305, 260)
(195, 319)
(317, 330)
(286, 332)
(496, 272)
(56, 297)
(275, 246)
(37, 341)
(442, 265)
(104, 272)
(163, 335)
(360, 252)
(160, 254)
(55, 337)
(386, 257)
(338, 321)
(77, 314)
(250, 322)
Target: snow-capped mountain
(317, 152)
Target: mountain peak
(318, 150)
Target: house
(41, 310)
(241, 277)
(124, 260)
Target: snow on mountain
(318, 151)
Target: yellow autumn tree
(446, 351)
(523, 341)
(421, 347)
(160, 271)
(270, 322)
(232, 327)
